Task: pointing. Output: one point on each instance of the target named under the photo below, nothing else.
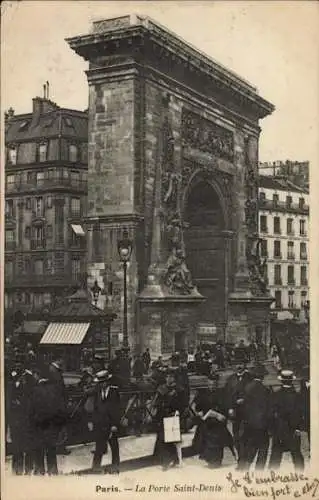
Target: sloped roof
(279, 184)
(50, 124)
(79, 307)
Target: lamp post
(96, 290)
(124, 247)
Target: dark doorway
(205, 251)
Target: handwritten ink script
(273, 485)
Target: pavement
(136, 454)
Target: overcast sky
(274, 45)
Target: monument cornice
(137, 30)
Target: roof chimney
(48, 87)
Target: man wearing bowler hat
(256, 414)
(106, 420)
(287, 422)
(234, 392)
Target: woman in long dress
(212, 435)
(168, 403)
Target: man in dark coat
(138, 367)
(55, 375)
(18, 419)
(146, 359)
(47, 415)
(287, 423)
(234, 394)
(256, 415)
(106, 420)
(305, 399)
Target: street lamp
(124, 247)
(96, 290)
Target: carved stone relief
(203, 134)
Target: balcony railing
(264, 229)
(46, 183)
(304, 282)
(31, 279)
(291, 232)
(277, 230)
(280, 206)
(303, 256)
(38, 244)
(10, 245)
(277, 281)
(277, 256)
(291, 281)
(291, 256)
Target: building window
(75, 178)
(275, 199)
(49, 232)
(27, 266)
(10, 239)
(12, 156)
(84, 153)
(40, 178)
(291, 275)
(291, 299)
(290, 226)
(39, 207)
(38, 267)
(47, 298)
(288, 201)
(264, 248)
(277, 225)
(43, 152)
(303, 251)
(301, 203)
(278, 304)
(10, 180)
(303, 298)
(303, 276)
(9, 208)
(38, 300)
(28, 203)
(262, 198)
(50, 267)
(73, 153)
(277, 249)
(51, 174)
(263, 224)
(27, 232)
(8, 269)
(49, 201)
(76, 268)
(290, 250)
(75, 206)
(278, 280)
(302, 225)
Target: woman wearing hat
(287, 422)
(168, 402)
(212, 435)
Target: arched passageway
(205, 251)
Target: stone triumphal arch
(173, 155)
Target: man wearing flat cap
(106, 419)
(256, 415)
(287, 422)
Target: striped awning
(65, 333)
(78, 229)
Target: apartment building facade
(45, 200)
(283, 227)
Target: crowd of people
(242, 415)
